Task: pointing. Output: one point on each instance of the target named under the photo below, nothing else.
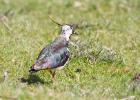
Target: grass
(25, 29)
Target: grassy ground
(25, 29)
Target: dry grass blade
(8, 98)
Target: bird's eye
(63, 31)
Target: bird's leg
(52, 73)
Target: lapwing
(55, 55)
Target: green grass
(25, 29)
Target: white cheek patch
(66, 31)
(65, 27)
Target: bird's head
(67, 30)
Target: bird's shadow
(33, 79)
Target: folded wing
(53, 56)
(56, 60)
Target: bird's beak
(75, 33)
(74, 26)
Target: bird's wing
(44, 53)
(57, 44)
(57, 59)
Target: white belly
(59, 68)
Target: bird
(55, 55)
